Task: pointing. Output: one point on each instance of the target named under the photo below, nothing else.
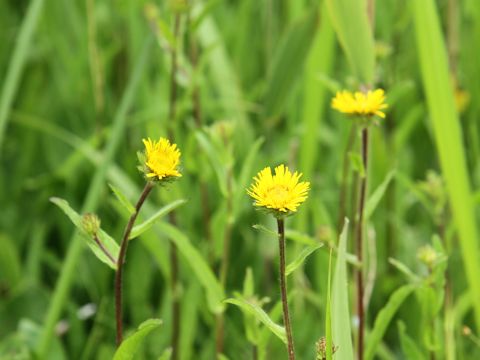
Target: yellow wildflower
(162, 159)
(359, 103)
(282, 193)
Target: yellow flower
(282, 193)
(162, 159)
(359, 103)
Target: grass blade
(341, 322)
(448, 136)
(213, 288)
(10, 84)
(384, 317)
(349, 18)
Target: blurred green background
(82, 82)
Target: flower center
(278, 193)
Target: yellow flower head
(359, 103)
(162, 159)
(282, 193)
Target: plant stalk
(359, 245)
(283, 288)
(121, 261)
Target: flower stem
(104, 249)
(283, 288)
(359, 244)
(121, 261)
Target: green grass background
(82, 82)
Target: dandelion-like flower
(162, 159)
(281, 193)
(360, 104)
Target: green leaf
(147, 224)
(122, 199)
(405, 270)
(341, 323)
(409, 347)
(17, 62)
(448, 136)
(295, 264)
(215, 292)
(107, 241)
(130, 345)
(260, 315)
(265, 230)
(384, 317)
(350, 21)
(166, 355)
(288, 63)
(377, 195)
(328, 311)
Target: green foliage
(131, 344)
(341, 322)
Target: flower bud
(90, 223)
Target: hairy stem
(359, 244)
(121, 261)
(103, 248)
(283, 288)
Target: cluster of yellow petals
(359, 103)
(281, 192)
(162, 159)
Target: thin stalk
(174, 267)
(121, 261)
(103, 248)
(283, 288)
(220, 329)
(343, 185)
(359, 245)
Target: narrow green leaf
(214, 290)
(122, 199)
(448, 136)
(384, 317)
(107, 241)
(288, 63)
(377, 195)
(166, 355)
(17, 62)
(260, 315)
(350, 21)
(295, 264)
(130, 345)
(409, 347)
(341, 322)
(251, 324)
(265, 230)
(404, 269)
(328, 311)
(147, 224)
